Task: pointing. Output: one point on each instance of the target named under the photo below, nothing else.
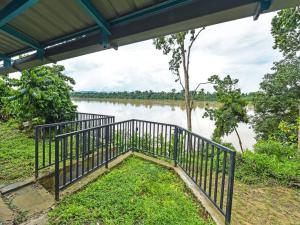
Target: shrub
(255, 168)
(43, 93)
(274, 148)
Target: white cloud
(241, 48)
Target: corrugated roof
(64, 29)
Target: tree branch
(190, 47)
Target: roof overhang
(149, 22)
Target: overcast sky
(241, 48)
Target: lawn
(136, 192)
(16, 154)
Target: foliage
(137, 192)
(43, 93)
(5, 92)
(253, 168)
(274, 148)
(278, 100)
(285, 30)
(16, 154)
(233, 109)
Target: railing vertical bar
(43, 145)
(230, 187)
(206, 161)
(194, 151)
(201, 163)
(71, 158)
(211, 169)
(77, 155)
(93, 149)
(106, 146)
(153, 139)
(50, 137)
(217, 176)
(64, 147)
(56, 179)
(223, 179)
(197, 167)
(36, 134)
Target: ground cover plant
(137, 192)
(16, 154)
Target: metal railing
(88, 116)
(45, 136)
(209, 165)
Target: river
(165, 111)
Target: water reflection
(164, 111)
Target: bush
(274, 148)
(43, 94)
(253, 168)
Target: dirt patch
(267, 205)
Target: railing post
(36, 137)
(56, 169)
(230, 188)
(175, 145)
(106, 145)
(132, 136)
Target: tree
(179, 46)
(278, 99)
(286, 30)
(43, 93)
(5, 92)
(232, 111)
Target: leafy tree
(278, 100)
(5, 92)
(179, 46)
(232, 111)
(43, 93)
(286, 30)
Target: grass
(137, 192)
(265, 204)
(16, 154)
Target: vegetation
(286, 32)
(152, 95)
(278, 100)
(42, 94)
(137, 192)
(232, 111)
(5, 91)
(176, 45)
(16, 154)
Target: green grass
(16, 154)
(136, 192)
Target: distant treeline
(161, 95)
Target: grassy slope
(265, 205)
(16, 154)
(137, 192)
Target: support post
(175, 145)
(36, 138)
(106, 145)
(230, 188)
(56, 169)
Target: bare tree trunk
(187, 95)
(188, 103)
(240, 141)
(299, 131)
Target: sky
(240, 48)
